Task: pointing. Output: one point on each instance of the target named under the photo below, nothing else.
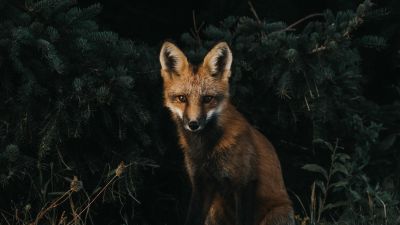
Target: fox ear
(172, 58)
(219, 60)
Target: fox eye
(208, 98)
(181, 98)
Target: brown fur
(234, 170)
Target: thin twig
(62, 159)
(308, 106)
(5, 218)
(291, 26)
(252, 9)
(53, 205)
(304, 19)
(384, 209)
(316, 89)
(196, 29)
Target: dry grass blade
(384, 209)
(118, 172)
(53, 205)
(313, 203)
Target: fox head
(195, 94)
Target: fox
(234, 171)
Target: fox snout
(194, 125)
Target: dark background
(148, 135)
(167, 191)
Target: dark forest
(85, 138)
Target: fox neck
(199, 144)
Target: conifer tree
(72, 102)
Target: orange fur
(241, 154)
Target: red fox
(234, 171)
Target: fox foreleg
(245, 204)
(200, 203)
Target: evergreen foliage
(76, 100)
(71, 102)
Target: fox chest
(226, 167)
(204, 157)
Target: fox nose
(193, 125)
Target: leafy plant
(364, 203)
(332, 179)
